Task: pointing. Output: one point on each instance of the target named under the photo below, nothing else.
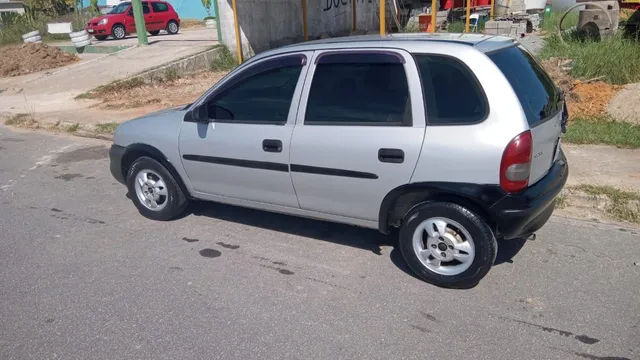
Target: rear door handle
(272, 145)
(394, 156)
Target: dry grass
(191, 24)
(171, 90)
(22, 120)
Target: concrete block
(59, 28)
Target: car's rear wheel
(447, 245)
(118, 32)
(100, 37)
(154, 32)
(172, 27)
(154, 191)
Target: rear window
(536, 91)
(452, 93)
(159, 7)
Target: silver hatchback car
(452, 139)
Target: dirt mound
(28, 58)
(584, 98)
(592, 98)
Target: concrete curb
(193, 63)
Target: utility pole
(141, 28)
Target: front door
(357, 135)
(244, 152)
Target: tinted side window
(536, 91)
(452, 93)
(159, 7)
(145, 8)
(262, 98)
(348, 90)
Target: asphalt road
(84, 276)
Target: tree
(207, 6)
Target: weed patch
(106, 128)
(22, 120)
(225, 61)
(72, 128)
(623, 205)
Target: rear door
(357, 135)
(541, 101)
(149, 17)
(160, 14)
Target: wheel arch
(135, 151)
(399, 201)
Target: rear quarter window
(452, 94)
(538, 95)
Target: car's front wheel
(447, 245)
(118, 32)
(154, 191)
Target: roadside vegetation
(620, 205)
(615, 60)
(225, 61)
(603, 130)
(38, 14)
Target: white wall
(270, 23)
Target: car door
(149, 17)
(160, 14)
(243, 153)
(357, 135)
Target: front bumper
(98, 30)
(116, 153)
(522, 214)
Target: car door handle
(395, 156)
(271, 145)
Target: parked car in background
(452, 139)
(119, 22)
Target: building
(11, 6)
(187, 9)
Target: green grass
(106, 128)
(16, 25)
(624, 204)
(225, 60)
(603, 130)
(550, 22)
(616, 59)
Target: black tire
(100, 37)
(485, 244)
(171, 30)
(154, 32)
(176, 200)
(118, 32)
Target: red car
(158, 15)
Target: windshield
(120, 8)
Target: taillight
(516, 163)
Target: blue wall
(187, 9)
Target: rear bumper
(522, 214)
(116, 153)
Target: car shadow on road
(361, 238)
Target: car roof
(481, 42)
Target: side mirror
(130, 13)
(200, 114)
